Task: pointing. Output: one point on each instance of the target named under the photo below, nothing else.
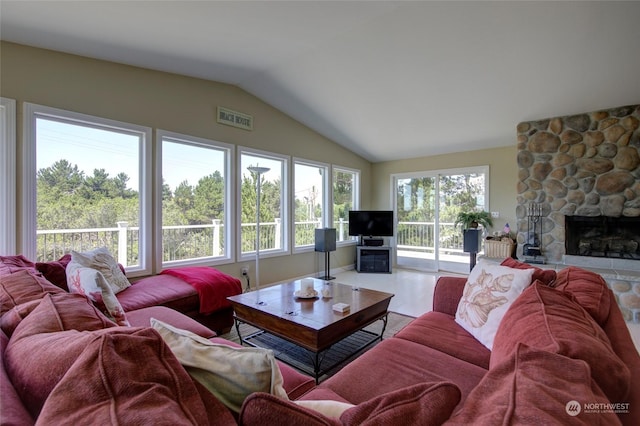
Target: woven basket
(500, 249)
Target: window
(346, 197)
(273, 201)
(7, 176)
(309, 201)
(86, 178)
(196, 189)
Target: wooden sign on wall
(234, 118)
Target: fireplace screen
(603, 236)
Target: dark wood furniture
(373, 259)
(311, 323)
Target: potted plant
(471, 220)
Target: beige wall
(503, 176)
(175, 103)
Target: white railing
(194, 241)
(179, 242)
(420, 237)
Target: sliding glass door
(416, 212)
(426, 206)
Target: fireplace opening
(603, 236)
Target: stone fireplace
(585, 166)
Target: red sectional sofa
(561, 354)
(157, 290)
(62, 361)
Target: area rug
(336, 357)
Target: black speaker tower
(326, 242)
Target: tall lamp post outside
(258, 171)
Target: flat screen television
(371, 223)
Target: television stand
(373, 259)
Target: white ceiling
(388, 80)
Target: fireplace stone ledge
(622, 276)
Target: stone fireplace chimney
(580, 165)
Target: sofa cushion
(142, 318)
(397, 364)
(12, 410)
(92, 284)
(547, 319)
(547, 276)
(424, 403)
(100, 259)
(56, 271)
(37, 362)
(589, 289)
(440, 331)
(266, 409)
(98, 387)
(10, 319)
(489, 291)
(533, 386)
(231, 374)
(60, 312)
(11, 264)
(23, 286)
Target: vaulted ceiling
(387, 79)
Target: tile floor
(414, 291)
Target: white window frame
(356, 198)
(285, 204)
(327, 197)
(7, 176)
(229, 214)
(34, 111)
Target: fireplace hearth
(603, 236)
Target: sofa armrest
(142, 318)
(447, 294)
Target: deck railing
(179, 242)
(195, 241)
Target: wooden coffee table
(311, 323)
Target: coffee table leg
(316, 367)
(317, 362)
(237, 321)
(384, 324)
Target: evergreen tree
(61, 177)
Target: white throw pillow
(489, 292)
(326, 407)
(101, 260)
(231, 374)
(92, 284)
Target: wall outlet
(245, 270)
(495, 215)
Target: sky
(92, 148)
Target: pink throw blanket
(212, 286)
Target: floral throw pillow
(488, 293)
(101, 260)
(92, 284)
